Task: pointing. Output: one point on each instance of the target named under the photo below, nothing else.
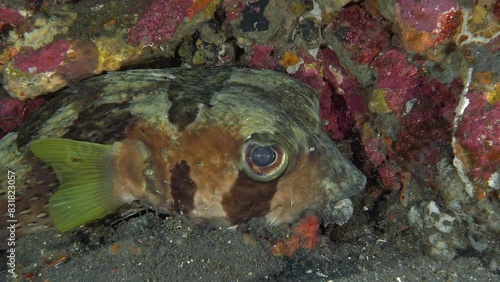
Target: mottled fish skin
(190, 124)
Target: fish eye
(263, 161)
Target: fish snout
(339, 179)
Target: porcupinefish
(219, 145)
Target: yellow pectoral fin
(83, 169)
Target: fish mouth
(339, 178)
(320, 181)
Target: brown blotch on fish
(182, 187)
(248, 198)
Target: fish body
(220, 145)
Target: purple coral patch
(262, 57)
(478, 132)
(398, 76)
(424, 15)
(43, 60)
(13, 112)
(10, 16)
(362, 35)
(159, 22)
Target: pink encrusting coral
(479, 133)
(10, 17)
(424, 110)
(347, 99)
(424, 15)
(10, 114)
(374, 151)
(340, 98)
(399, 77)
(362, 35)
(72, 59)
(426, 23)
(13, 112)
(390, 173)
(310, 73)
(50, 68)
(43, 60)
(262, 57)
(233, 8)
(426, 129)
(159, 22)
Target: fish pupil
(263, 156)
